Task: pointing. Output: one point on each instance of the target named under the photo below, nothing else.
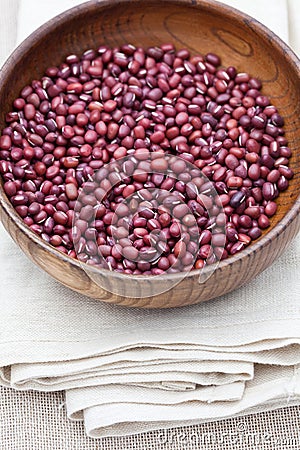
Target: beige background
(37, 421)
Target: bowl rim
(211, 6)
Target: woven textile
(37, 421)
(160, 368)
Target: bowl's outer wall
(201, 27)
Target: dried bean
(139, 104)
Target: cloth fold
(126, 371)
(271, 387)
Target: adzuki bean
(141, 106)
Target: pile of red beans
(142, 107)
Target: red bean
(34, 208)
(157, 137)
(189, 220)
(163, 263)
(175, 230)
(71, 191)
(29, 111)
(234, 182)
(270, 209)
(286, 172)
(237, 199)
(254, 233)
(237, 247)
(5, 142)
(159, 164)
(268, 191)
(263, 221)
(254, 172)
(244, 238)
(10, 188)
(52, 171)
(105, 250)
(282, 184)
(35, 139)
(180, 210)
(153, 224)
(60, 217)
(231, 161)
(69, 162)
(253, 212)
(205, 237)
(125, 103)
(19, 199)
(205, 251)
(130, 253)
(273, 176)
(122, 210)
(55, 240)
(218, 240)
(68, 132)
(140, 232)
(87, 212)
(116, 252)
(36, 228)
(219, 174)
(180, 249)
(40, 217)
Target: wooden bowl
(201, 26)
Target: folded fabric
(193, 373)
(126, 371)
(115, 416)
(193, 357)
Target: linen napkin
(9, 28)
(127, 371)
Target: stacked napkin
(126, 371)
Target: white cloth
(294, 25)
(127, 371)
(9, 28)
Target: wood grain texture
(201, 26)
